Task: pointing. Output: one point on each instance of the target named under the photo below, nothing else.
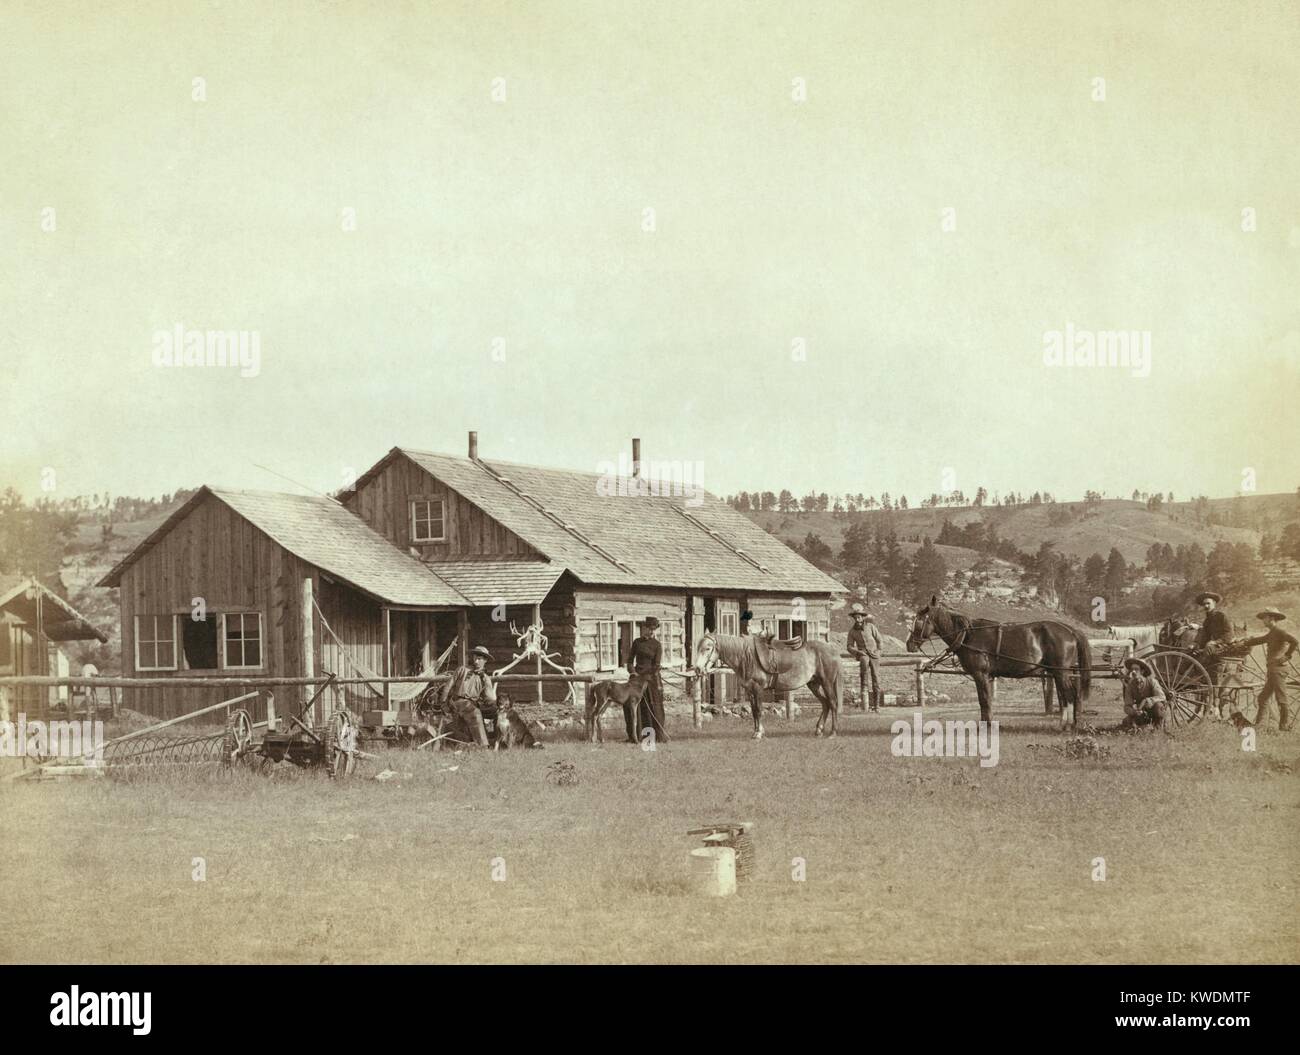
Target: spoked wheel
(238, 741)
(1187, 685)
(341, 736)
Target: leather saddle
(773, 655)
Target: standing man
(864, 646)
(469, 691)
(1279, 647)
(644, 657)
(1215, 634)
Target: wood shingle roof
(321, 532)
(604, 535)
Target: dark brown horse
(762, 663)
(988, 650)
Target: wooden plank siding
(219, 556)
(358, 622)
(20, 656)
(384, 502)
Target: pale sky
(776, 220)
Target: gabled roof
(571, 517)
(321, 532)
(59, 620)
(491, 580)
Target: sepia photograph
(594, 482)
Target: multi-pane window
(243, 639)
(607, 641)
(155, 642)
(427, 523)
(674, 641)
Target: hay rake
(149, 753)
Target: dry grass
(907, 859)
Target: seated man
(1144, 699)
(1214, 636)
(471, 691)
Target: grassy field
(907, 860)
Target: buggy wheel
(1186, 683)
(340, 744)
(238, 740)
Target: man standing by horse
(1279, 647)
(864, 646)
(644, 658)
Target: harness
(961, 643)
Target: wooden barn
(427, 550)
(34, 622)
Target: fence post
(789, 706)
(695, 686)
(920, 686)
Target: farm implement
(332, 747)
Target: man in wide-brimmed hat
(470, 690)
(1214, 636)
(1144, 699)
(644, 657)
(1214, 625)
(1279, 647)
(864, 646)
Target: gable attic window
(427, 523)
(155, 642)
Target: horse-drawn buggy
(1212, 683)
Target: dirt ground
(482, 857)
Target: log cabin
(428, 551)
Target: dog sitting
(512, 729)
(603, 693)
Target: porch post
(537, 621)
(308, 632)
(388, 659)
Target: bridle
(923, 635)
(712, 660)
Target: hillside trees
(33, 537)
(928, 573)
(1116, 575)
(815, 551)
(1231, 569)
(1288, 544)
